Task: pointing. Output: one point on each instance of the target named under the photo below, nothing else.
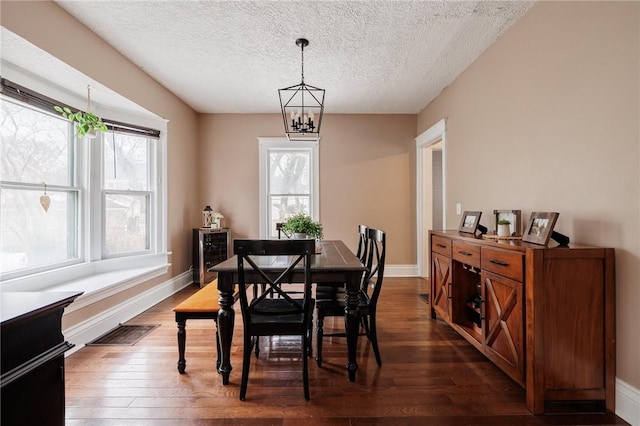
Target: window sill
(97, 280)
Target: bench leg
(182, 338)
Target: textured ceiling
(369, 56)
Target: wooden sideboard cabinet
(545, 315)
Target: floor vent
(124, 335)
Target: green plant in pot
(504, 228)
(302, 224)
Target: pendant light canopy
(302, 106)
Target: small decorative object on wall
(87, 123)
(514, 217)
(302, 226)
(470, 222)
(540, 227)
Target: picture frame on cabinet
(540, 227)
(513, 216)
(470, 221)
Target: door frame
(424, 220)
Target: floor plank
(430, 376)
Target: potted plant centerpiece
(504, 228)
(302, 226)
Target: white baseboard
(627, 402)
(96, 326)
(401, 270)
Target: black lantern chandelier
(302, 107)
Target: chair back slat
(376, 253)
(363, 242)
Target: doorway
(431, 190)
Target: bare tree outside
(36, 148)
(127, 193)
(289, 184)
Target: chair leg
(306, 343)
(246, 362)
(310, 337)
(256, 342)
(218, 350)
(182, 339)
(373, 337)
(364, 321)
(319, 333)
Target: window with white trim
(105, 196)
(288, 182)
(37, 149)
(126, 185)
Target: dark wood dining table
(334, 263)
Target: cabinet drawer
(441, 245)
(466, 253)
(505, 263)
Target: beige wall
(547, 119)
(47, 26)
(367, 174)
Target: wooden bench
(201, 305)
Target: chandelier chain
(302, 61)
(88, 98)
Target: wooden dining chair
(336, 290)
(367, 297)
(274, 316)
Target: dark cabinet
(210, 247)
(33, 347)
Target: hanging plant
(87, 123)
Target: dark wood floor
(430, 376)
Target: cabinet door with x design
(441, 287)
(441, 277)
(504, 324)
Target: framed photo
(470, 222)
(540, 227)
(513, 216)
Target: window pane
(31, 237)
(284, 206)
(34, 145)
(126, 227)
(289, 172)
(130, 168)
